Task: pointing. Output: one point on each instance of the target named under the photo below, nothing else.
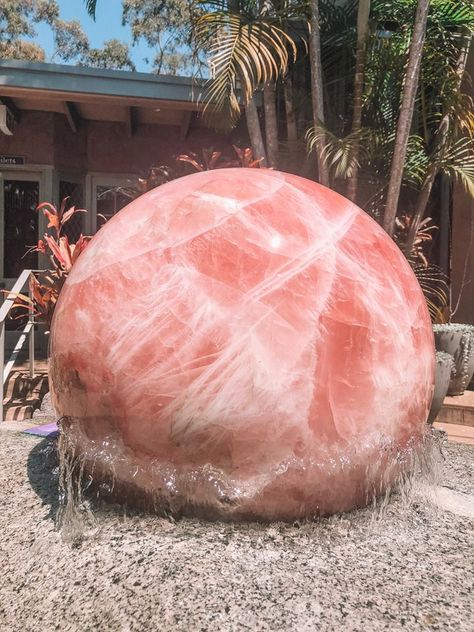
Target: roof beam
(72, 115)
(81, 97)
(131, 121)
(11, 105)
(185, 124)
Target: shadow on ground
(43, 474)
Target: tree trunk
(255, 132)
(441, 140)
(317, 87)
(271, 124)
(362, 33)
(291, 129)
(406, 115)
(421, 204)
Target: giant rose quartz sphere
(243, 343)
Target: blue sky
(108, 25)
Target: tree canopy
(165, 27)
(18, 21)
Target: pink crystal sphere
(244, 342)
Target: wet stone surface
(412, 569)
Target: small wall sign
(12, 160)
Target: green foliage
(166, 28)
(440, 97)
(18, 19)
(17, 22)
(247, 44)
(91, 6)
(46, 286)
(457, 161)
(114, 55)
(338, 153)
(71, 43)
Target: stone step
(457, 432)
(458, 410)
(23, 394)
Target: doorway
(20, 225)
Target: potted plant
(444, 369)
(458, 340)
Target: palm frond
(91, 6)
(244, 52)
(457, 160)
(416, 161)
(452, 14)
(338, 154)
(434, 285)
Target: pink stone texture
(244, 343)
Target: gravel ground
(410, 569)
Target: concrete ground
(411, 569)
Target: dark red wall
(46, 138)
(70, 148)
(110, 149)
(33, 137)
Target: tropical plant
(45, 287)
(439, 141)
(431, 278)
(250, 45)
(212, 159)
(91, 6)
(386, 106)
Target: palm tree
(362, 35)
(317, 95)
(453, 150)
(250, 45)
(406, 114)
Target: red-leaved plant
(46, 286)
(215, 160)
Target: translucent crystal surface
(244, 342)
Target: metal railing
(27, 333)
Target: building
(84, 133)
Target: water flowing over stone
(244, 343)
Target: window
(109, 201)
(20, 199)
(75, 226)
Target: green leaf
(91, 6)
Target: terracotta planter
(444, 369)
(457, 340)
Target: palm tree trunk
(255, 132)
(271, 124)
(291, 129)
(421, 203)
(362, 33)
(441, 140)
(406, 115)
(317, 87)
